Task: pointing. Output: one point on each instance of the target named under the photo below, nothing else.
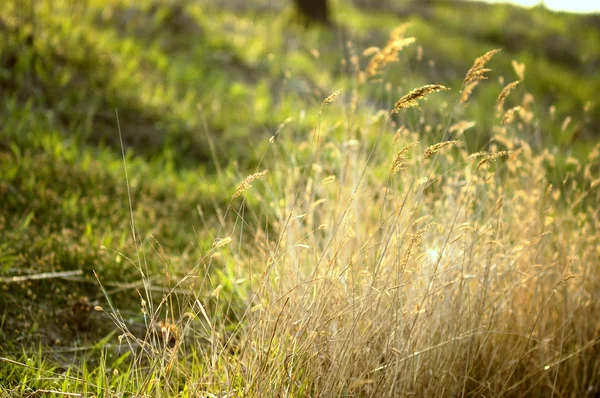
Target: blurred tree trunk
(314, 11)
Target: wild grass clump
(450, 272)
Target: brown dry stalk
(433, 149)
(45, 275)
(467, 90)
(220, 242)
(567, 273)
(331, 98)
(399, 162)
(247, 183)
(415, 241)
(475, 74)
(478, 69)
(389, 53)
(410, 99)
(519, 69)
(370, 51)
(504, 93)
(509, 115)
(478, 154)
(399, 31)
(493, 157)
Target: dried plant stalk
(504, 93)
(509, 115)
(478, 154)
(415, 241)
(478, 69)
(519, 69)
(399, 162)
(220, 242)
(493, 157)
(475, 74)
(247, 183)
(389, 53)
(467, 90)
(410, 99)
(433, 149)
(331, 98)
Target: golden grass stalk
(433, 149)
(475, 74)
(370, 51)
(504, 93)
(492, 158)
(247, 183)
(331, 98)
(509, 115)
(565, 123)
(519, 69)
(220, 242)
(410, 99)
(467, 90)
(399, 31)
(415, 241)
(478, 154)
(389, 53)
(399, 162)
(328, 179)
(478, 69)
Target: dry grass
(410, 100)
(476, 74)
(331, 97)
(459, 280)
(504, 93)
(509, 115)
(399, 162)
(388, 54)
(478, 70)
(247, 183)
(436, 148)
(463, 281)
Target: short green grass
(200, 88)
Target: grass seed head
(389, 53)
(220, 242)
(331, 98)
(467, 90)
(478, 154)
(509, 115)
(247, 183)
(478, 69)
(410, 99)
(493, 157)
(433, 149)
(504, 93)
(519, 69)
(399, 162)
(415, 241)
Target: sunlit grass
(289, 226)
